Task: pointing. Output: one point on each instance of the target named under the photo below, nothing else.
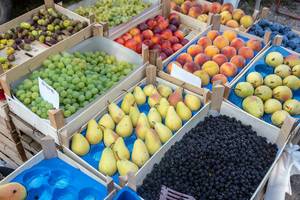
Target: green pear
(283, 70)
(292, 82)
(192, 101)
(127, 102)
(164, 90)
(120, 149)
(106, 122)
(244, 89)
(134, 114)
(274, 59)
(80, 145)
(93, 134)
(183, 111)
(173, 121)
(148, 90)
(108, 163)
(140, 154)
(272, 105)
(282, 93)
(12, 191)
(263, 92)
(139, 95)
(126, 166)
(296, 70)
(255, 79)
(124, 127)
(162, 107)
(163, 132)
(278, 117)
(154, 98)
(175, 97)
(142, 126)
(273, 81)
(109, 137)
(292, 106)
(152, 141)
(115, 112)
(254, 106)
(153, 116)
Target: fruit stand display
(52, 175)
(36, 31)
(134, 127)
(269, 88)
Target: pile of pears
(168, 111)
(272, 94)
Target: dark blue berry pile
(219, 159)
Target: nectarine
(220, 59)
(201, 58)
(221, 42)
(170, 66)
(246, 52)
(212, 34)
(254, 44)
(184, 58)
(191, 67)
(238, 60)
(204, 42)
(194, 49)
(228, 69)
(211, 67)
(229, 51)
(211, 50)
(219, 77)
(237, 43)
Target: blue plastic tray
(127, 194)
(94, 155)
(264, 70)
(54, 179)
(194, 41)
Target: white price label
(48, 93)
(185, 76)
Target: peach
(168, 51)
(220, 59)
(221, 42)
(229, 35)
(195, 11)
(155, 39)
(120, 41)
(166, 34)
(134, 31)
(229, 51)
(201, 58)
(215, 7)
(131, 44)
(179, 34)
(237, 14)
(138, 38)
(232, 23)
(147, 34)
(246, 52)
(176, 47)
(211, 67)
(204, 42)
(237, 43)
(225, 17)
(166, 44)
(159, 17)
(151, 23)
(194, 49)
(227, 7)
(170, 66)
(185, 7)
(254, 44)
(228, 69)
(139, 48)
(127, 36)
(191, 67)
(184, 41)
(211, 50)
(174, 40)
(238, 60)
(184, 58)
(212, 34)
(205, 8)
(219, 77)
(174, 16)
(163, 24)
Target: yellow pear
(162, 107)
(142, 126)
(93, 134)
(115, 112)
(192, 101)
(124, 127)
(139, 95)
(164, 90)
(163, 132)
(173, 121)
(153, 116)
(134, 114)
(152, 141)
(140, 154)
(127, 102)
(106, 122)
(148, 89)
(109, 137)
(154, 98)
(183, 111)
(108, 163)
(125, 166)
(80, 145)
(12, 191)
(120, 149)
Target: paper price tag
(48, 93)
(185, 76)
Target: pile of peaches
(216, 56)
(229, 16)
(157, 33)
